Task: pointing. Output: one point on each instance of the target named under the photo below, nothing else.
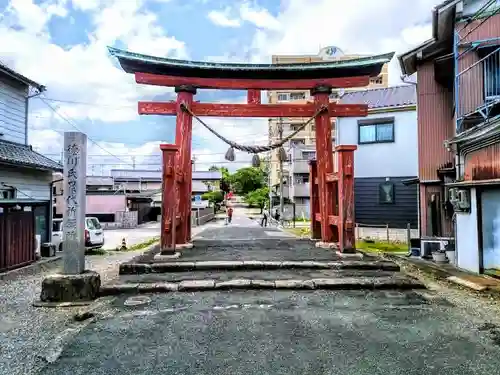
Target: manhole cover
(137, 300)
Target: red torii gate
(332, 190)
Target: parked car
(94, 234)
(57, 233)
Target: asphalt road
(276, 331)
(280, 332)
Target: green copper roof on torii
(138, 63)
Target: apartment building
(305, 140)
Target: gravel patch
(480, 307)
(26, 331)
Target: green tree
(214, 197)
(258, 198)
(246, 180)
(225, 182)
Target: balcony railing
(477, 86)
(301, 190)
(300, 166)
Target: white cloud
(222, 18)
(356, 26)
(260, 17)
(85, 72)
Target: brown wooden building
(458, 101)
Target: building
(128, 190)
(458, 98)
(25, 175)
(307, 136)
(386, 157)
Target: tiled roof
(19, 77)
(18, 154)
(382, 98)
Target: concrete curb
(33, 268)
(345, 283)
(143, 268)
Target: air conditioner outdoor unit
(463, 199)
(459, 198)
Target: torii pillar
(327, 196)
(183, 138)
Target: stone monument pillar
(74, 188)
(75, 284)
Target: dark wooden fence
(17, 239)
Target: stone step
(143, 268)
(344, 283)
(278, 274)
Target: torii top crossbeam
(172, 72)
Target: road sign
(197, 198)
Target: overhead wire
(497, 11)
(77, 128)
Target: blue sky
(62, 44)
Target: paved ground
(348, 333)
(145, 232)
(275, 331)
(25, 330)
(113, 237)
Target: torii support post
(345, 159)
(314, 199)
(324, 157)
(168, 199)
(183, 136)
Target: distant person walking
(229, 215)
(263, 220)
(277, 215)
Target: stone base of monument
(70, 290)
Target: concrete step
(397, 282)
(268, 275)
(183, 266)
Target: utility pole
(194, 163)
(133, 162)
(280, 135)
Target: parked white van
(94, 234)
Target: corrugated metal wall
(490, 28)
(435, 123)
(471, 86)
(483, 164)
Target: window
(297, 95)
(283, 96)
(7, 193)
(376, 130)
(386, 193)
(309, 155)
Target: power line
(90, 104)
(77, 128)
